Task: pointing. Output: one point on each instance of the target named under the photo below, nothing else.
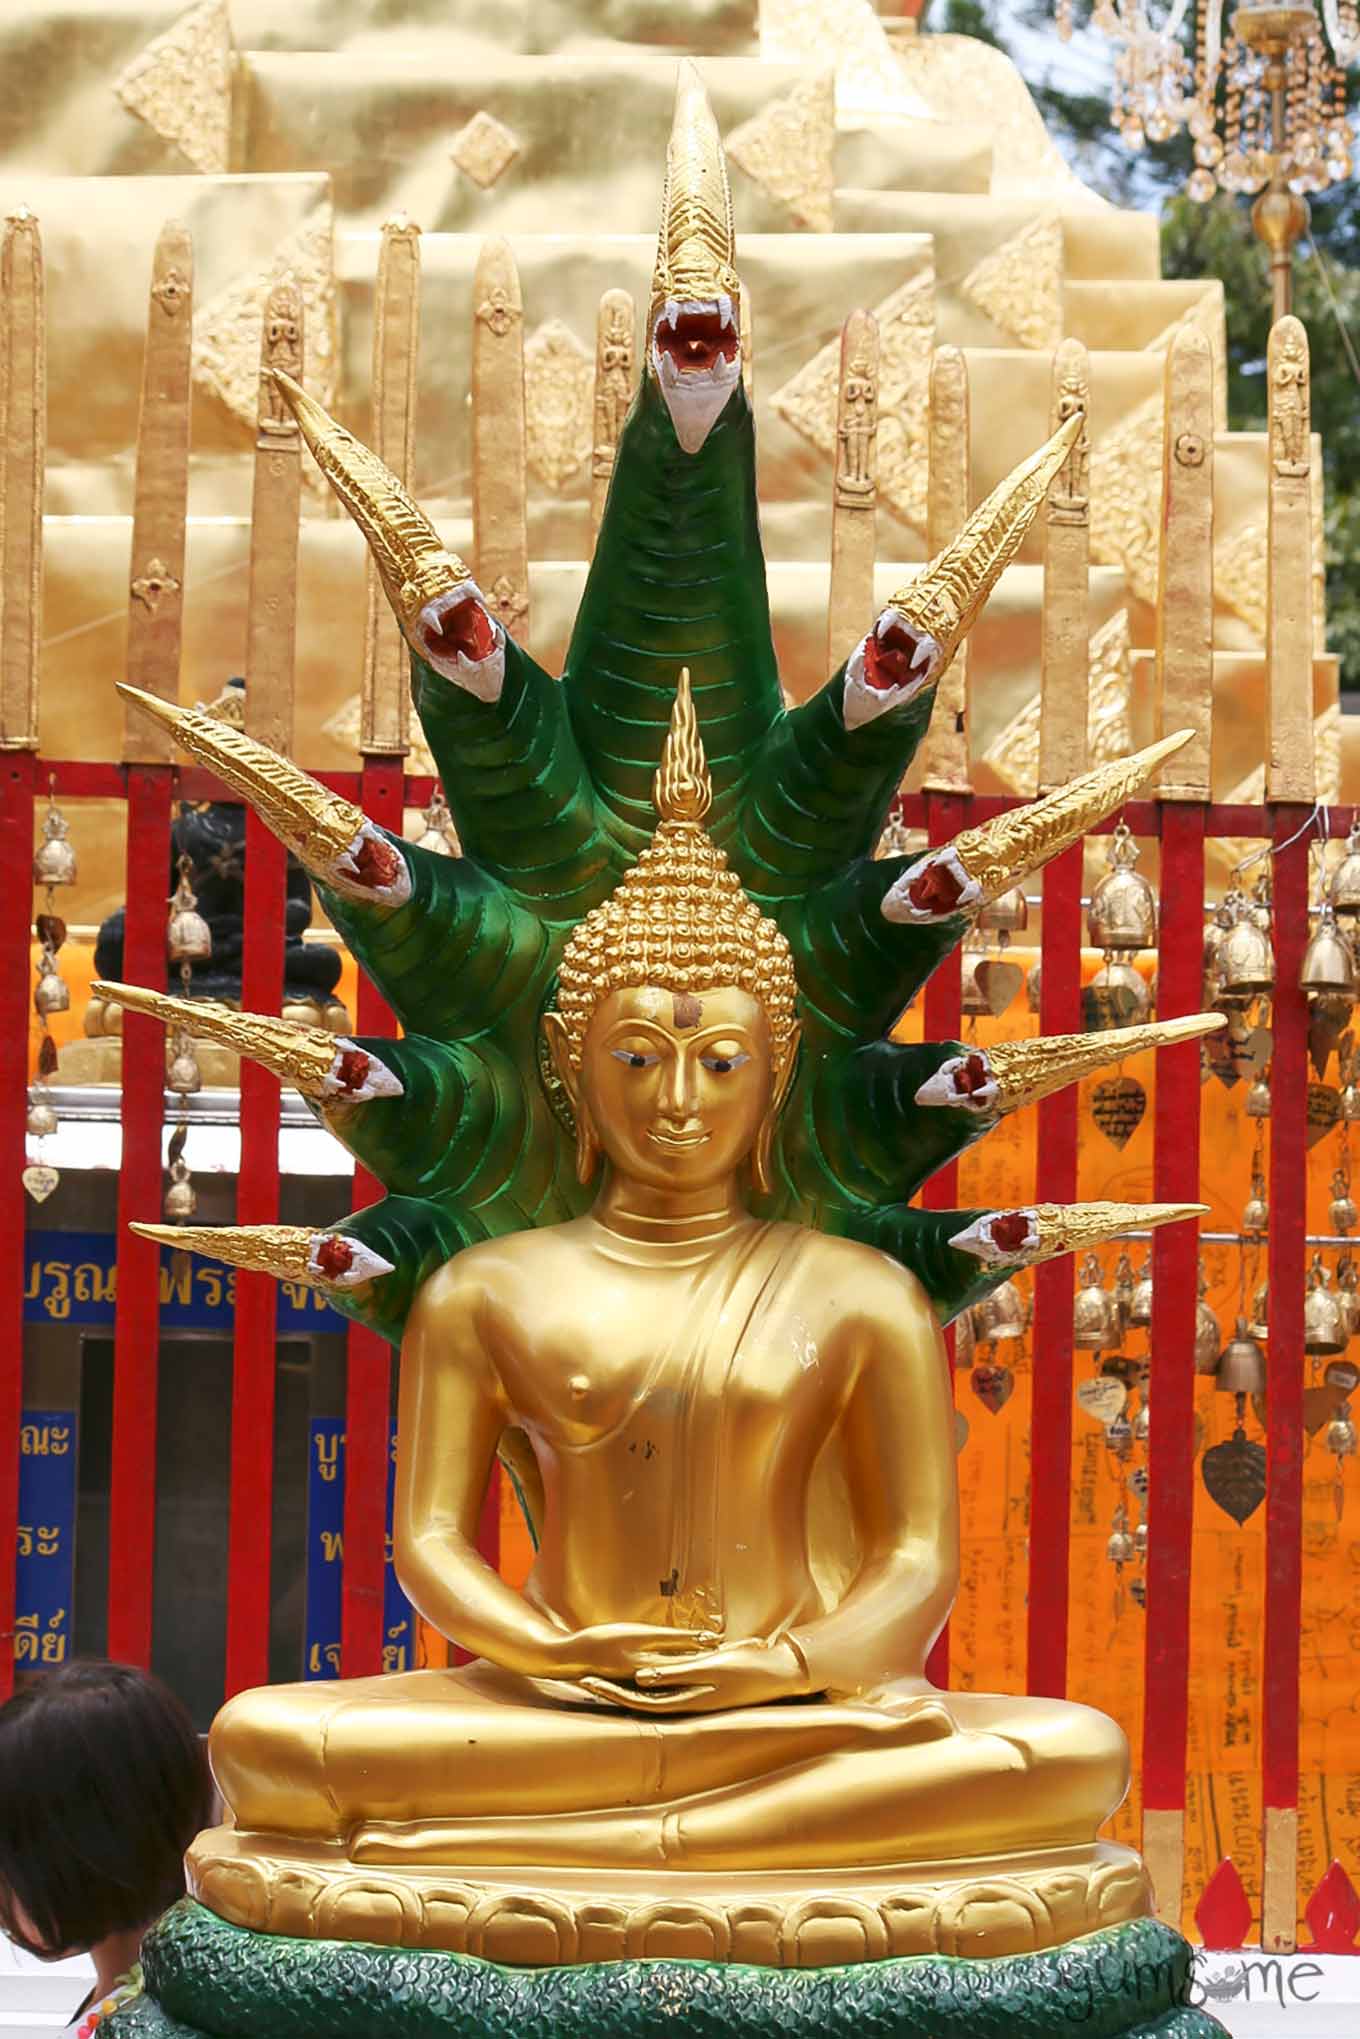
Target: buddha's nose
(677, 1093)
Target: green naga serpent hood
(549, 782)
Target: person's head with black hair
(103, 1784)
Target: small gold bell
(438, 834)
(181, 1200)
(1124, 1287)
(1350, 1102)
(1328, 967)
(1214, 932)
(55, 862)
(1007, 914)
(1140, 1302)
(1242, 1369)
(1341, 1435)
(188, 938)
(1258, 1099)
(1348, 1292)
(1256, 1216)
(1342, 1212)
(1000, 1315)
(1119, 1549)
(973, 1004)
(1119, 994)
(1344, 891)
(51, 994)
(1095, 1318)
(1140, 1540)
(41, 1120)
(1208, 1338)
(184, 1074)
(1034, 986)
(1122, 914)
(1142, 1424)
(1324, 1320)
(1244, 961)
(1260, 1312)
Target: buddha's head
(675, 1035)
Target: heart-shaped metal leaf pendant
(1324, 1109)
(1117, 1106)
(40, 1180)
(1235, 1475)
(1102, 1398)
(998, 982)
(993, 1386)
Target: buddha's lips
(465, 628)
(896, 656)
(697, 337)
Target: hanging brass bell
(55, 862)
(1350, 1102)
(1256, 1216)
(1118, 995)
(437, 832)
(1324, 1320)
(1341, 1435)
(1034, 985)
(1208, 1339)
(188, 938)
(1242, 1369)
(1000, 1315)
(181, 1199)
(972, 1002)
(41, 1119)
(1122, 914)
(1007, 914)
(1342, 1211)
(1124, 1286)
(1119, 1549)
(1245, 961)
(50, 993)
(1258, 1099)
(1140, 1540)
(184, 1075)
(1348, 1292)
(1095, 1317)
(1140, 1302)
(1328, 967)
(1344, 891)
(1142, 1423)
(1260, 1312)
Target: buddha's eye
(723, 1065)
(634, 1058)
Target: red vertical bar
(16, 906)
(1175, 1297)
(1286, 1271)
(943, 1021)
(1050, 1472)
(257, 1203)
(368, 1386)
(136, 1336)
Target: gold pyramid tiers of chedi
(522, 142)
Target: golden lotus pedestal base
(986, 1907)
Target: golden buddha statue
(742, 1476)
(704, 1727)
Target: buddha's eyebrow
(686, 1010)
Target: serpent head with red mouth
(696, 357)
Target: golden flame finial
(415, 566)
(696, 247)
(943, 601)
(683, 789)
(678, 919)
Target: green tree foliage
(1215, 240)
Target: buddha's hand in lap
(618, 1650)
(752, 1673)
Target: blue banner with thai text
(72, 1278)
(46, 1538)
(326, 1554)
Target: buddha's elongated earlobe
(779, 1091)
(587, 1144)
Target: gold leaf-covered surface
(1019, 284)
(788, 149)
(780, 1919)
(559, 404)
(484, 148)
(1014, 754)
(180, 84)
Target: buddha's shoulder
(852, 1277)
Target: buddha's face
(678, 1084)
